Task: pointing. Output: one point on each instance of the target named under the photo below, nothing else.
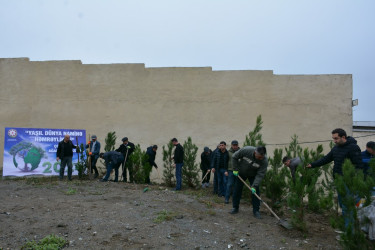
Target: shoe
(257, 215)
(338, 237)
(234, 211)
(96, 176)
(176, 189)
(103, 180)
(203, 185)
(226, 202)
(207, 184)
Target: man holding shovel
(126, 149)
(249, 163)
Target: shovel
(283, 223)
(208, 171)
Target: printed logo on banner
(12, 133)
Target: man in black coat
(205, 166)
(151, 152)
(126, 149)
(65, 153)
(179, 162)
(346, 148)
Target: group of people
(231, 168)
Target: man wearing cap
(205, 166)
(220, 166)
(112, 160)
(367, 155)
(249, 163)
(94, 146)
(231, 178)
(126, 149)
(151, 153)
(292, 164)
(178, 162)
(65, 154)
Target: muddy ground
(96, 215)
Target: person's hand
(213, 170)
(208, 171)
(174, 165)
(226, 173)
(89, 142)
(57, 158)
(308, 165)
(235, 173)
(253, 190)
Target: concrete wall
(152, 105)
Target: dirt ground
(96, 215)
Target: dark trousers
(230, 184)
(237, 193)
(111, 166)
(222, 181)
(128, 167)
(67, 160)
(216, 183)
(179, 175)
(94, 159)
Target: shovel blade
(285, 224)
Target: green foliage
(110, 141)
(71, 191)
(190, 173)
(168, 172)
(81, 166)
(164, 215)
(254, 138)
(275, 180)
(294, 149)
(351, 186)
(139, 162)
(50, 242)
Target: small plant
(254, 138)
(168, 172)
(139, 163)
(71, 191)
(164, 215)
(49, 242)
(110, 141)
(81, 166)
(191, 170)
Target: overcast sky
(286, 36)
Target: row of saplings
(312, 190)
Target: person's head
(370, 147)
(286, 161)
(206, 150)
(260, 153)
(101, 155)
(66, 138)
(154, 148)
(234, 145)
(93, 137)
(223, 146)
(339, 136)
(174, 141)
(125, 140)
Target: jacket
(124, 148)
(366, 158)
(218, 154)
(247, 165)
(205, 161)
(178, 154)
(61, 149)
(96, 150)
(230, 162)
(339, 153)
(151, 157)
(113, 157)
(293, 165)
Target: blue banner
(32, 151)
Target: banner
(32, 151)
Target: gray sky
(286, 36)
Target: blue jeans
(67, 160)
(222, 180)
(230, 184)
(348, 216)
(179, 175)
(237, 193)
(111, 166)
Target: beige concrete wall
(363, 137)
(152, 105)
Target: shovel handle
(206, 175)
(256, 195)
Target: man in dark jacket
(205, 166)
(179, 162)
(151, 152)
(249, 163)
(367, 155)
(220, 165)
(126, 149)
(231, 178)
(94, 147)
(112, 160)
(215, 182)
(346, 148)
(65, 153)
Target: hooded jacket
(151, 157)
(245, 162)
(338, 154)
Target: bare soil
(96, 215)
